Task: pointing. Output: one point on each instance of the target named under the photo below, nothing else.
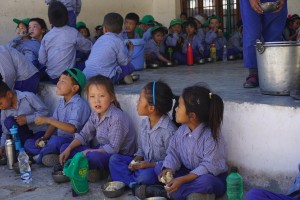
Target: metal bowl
(113, 189)
(209, 59)
(16, 166)
(201, 61)
(153, 65)
(135, 77)
(169, 64)
(231, 57)
(269, 6)
(155, 198)
(60, 177)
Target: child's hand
(41, 120)
(93, 150)
(21, 120)
(174, 185)
(142, 165)
(129, 45)
(255, 6)
(64, 156)
(220, 33)
(39, 142)
(164, 173)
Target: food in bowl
(269, 6)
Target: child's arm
(43, 57)
(171, 39)
(39, 107)
(65, 155)
(210, 37)
(50, 130)
(78, 7)
(67, 127)
(175, 184)
(82, 43)
(162, 58)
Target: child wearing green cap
(69, 117)
(155, 48)
(147, 23)
(174, 42)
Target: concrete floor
(225, 79)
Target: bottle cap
(14, 129)
(21, 149)
(234, 169)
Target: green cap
(77, 170)
(139, 31)
(175, 21)
(214, 17)
(24, 21)
(206, 24)
(80, 24)
(155, 28)
(78, 76)
(147, 19)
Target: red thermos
(189, 55)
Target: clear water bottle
(225, 53)
(24, 166)
(234, 185)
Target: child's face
(199, 25)
(65, 86)
(6, 102)
(295, 25)
(190, 30)
(84, 32)
(99, 32)
(129, 25)
(181, 115)
(214, 23)
(35, 30)
(158, 37)
(176, 28)
(99, 99)
(22, 30)
(142, 104)
(145, 27)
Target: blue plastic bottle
(24, 166)
(15, 136)
(234, 185)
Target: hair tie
(210, 95)
(153, 92)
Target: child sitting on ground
(196, 155)
(155, 101)
(193, 39)
(26, 45)
(147, 23)
(174, 42)
(108, 125)
(17, 72)
(130, 24)
(20, 109)
(58, 47)
(215, 36)
(69, 117)
(235, 43)
(155, 48)
(108, 56)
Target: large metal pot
(278, 67)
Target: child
(37, 28)
(58, 47)
(174, 42)
(23, 42)
(98, 32)
(196, 154)
(20, 109)
(183, 16)
(17, 72)
(155, 101)
(155, 48)
(147, 23)
(85, 32)
(73, 7)
(235, 43)
(69, 117)
(81, 56)
(290, 31)
(108, 56)
(130, 24)
(193, 39)
(108, 125)
(215, 36)
(200, 30)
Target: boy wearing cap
(147, 23)
(215, 36)
(200, 31)
(58, 47)
(108, 56)
(69, 117)
(155, 47)
(174, 41)
(73, 7)
(26, 45)
(130, 24)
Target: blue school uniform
(108, 57)
(147, 34)
(255, 26)
(113, 132)
(175, 41)
(73, 7)
(198, 153)
(76, 112)
(123, 35)
(260, 194)
(151, 47)
(31, 106)
(28, 47)
(17, 72)
(152, 146)
(201, 35)
(58, 49)
(213, 38)
(197, 46)
(235, 44)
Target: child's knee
(9, 122)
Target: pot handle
(259, 46)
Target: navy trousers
(259, 194)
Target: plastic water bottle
(234, 185)
(225, 53)
(24, 166)
(213, 52)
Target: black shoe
(251, 81)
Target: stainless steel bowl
(155, 198)
(60, 177)
(209, 59)
(16, 166)
(201, 61)
(113, 189)
(269, 6)
(135, 77)
(153, 65)
(169, 64)
(231, 57)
